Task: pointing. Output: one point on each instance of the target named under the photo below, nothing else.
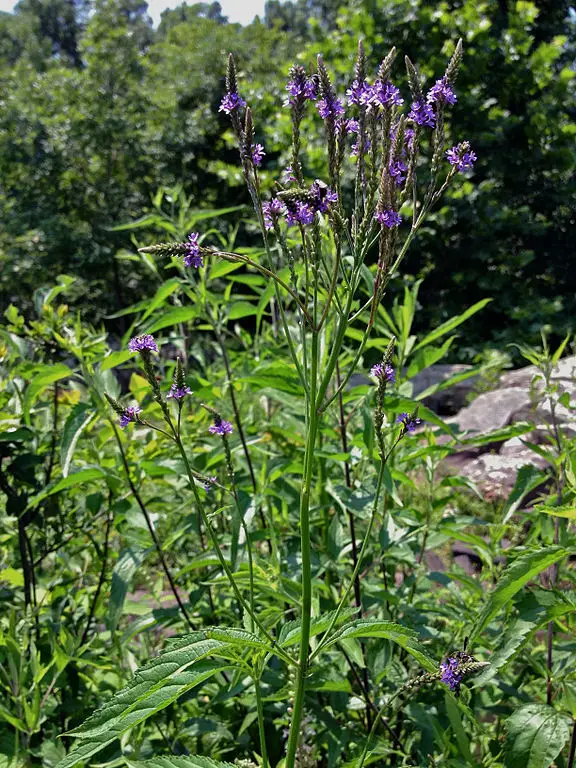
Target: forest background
(105, 120)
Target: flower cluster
(299, 209)
(330, 107)
(441, 92)
(397, 169)
(461, 156)
(383, 371)
(389, 218)
(231, 102)
(220, 427)
(193, 257)
(257, 154)
(450, 673)
(272, 212)
(422, 114)
(129, 414)
(209, 483)
(353, 127)
(301, 87)
(408, 421)
(143, 343)
(178, 393)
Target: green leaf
(76, 478)
(279, 376)
(170, 761)
(516, 576)
(166, 289)
(427, 356)
(241, 309)
(527, 479)
(498, 435)
(49, 374)
(78, 419)
(536, 736)
(291, 632)
(405, 638)
(171, 318)
(564, 510)
(16, 435)
(115, 358)
(462, 738)
(449, 325)
(123, 574)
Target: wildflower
(423, 114)
(288, 175)
(352, 126)
(450, 673)
(330, 107)
(389, 218)
(302, 213)
(209, 482)
(142, 343)
(323, 196)
(409, 422)
(179, 392)
(193, 257)
(356, 91)
(397, 169)
(220, 427)
(300, 87)
(272, 211)
(231, 102)
(441, 92)
(129, 414)
(383, 94)
(257, 154)
(383, 371)
(461, 156)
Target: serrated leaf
(291, 632)
(396, 633)
(171, 761)
(78, 419)
(516, 576)
(50, 374)
(527, 479)
(76, 478)
(536, 736)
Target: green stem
(303, 660)
(373, 729)
(261, 731)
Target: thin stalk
(373, 729)
(572, 752)
(303, 657)
(261, 731)
(100, 579)
(150, 528)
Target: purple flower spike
(220, 427)
(301, 214)
(383, 371)
(450, 674)
(461, 156)
(209, 483)
(300, 87)
(288, 175)
(408, 422)
(397, 170)
(142, 343)
(193, 258)
(257, 154)
(323, 196)
(389, 218)
(441, 92)
(272, 211)
(231, 102)
(385, 94)
(178, 392)
(423, 114)
(129, 415)
(330, 108)
(357, 91)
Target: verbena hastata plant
(387, 164)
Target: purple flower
(220, 427)
(450, 674)
(397, 169)
(141, 343)
(302, 213)
(389, 218)
(209, 482)
(356, 91)
(129, 415)
(330, 108)
(441, 92)
(383, 371)
(352, 126)
(231, 102)
(193, 257)
(300, 87)
(323, 196)
(178, 392)
(423, 114)
(461, 156)
(409, 423)
(288, 175)
(272, 211)
(383, 94)
(257, 154)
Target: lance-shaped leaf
(79, 418)
(536, 735)
(170, 761)
(522, 570)
(405, 638)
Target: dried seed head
(454, 64)
(386, 66)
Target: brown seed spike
(414, 80)
(360, 68)
(231, 81)
(454, 64)
(386, 66)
